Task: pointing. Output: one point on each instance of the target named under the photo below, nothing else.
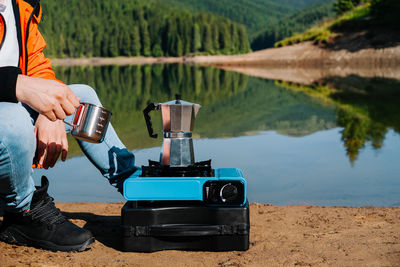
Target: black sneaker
(44, 226)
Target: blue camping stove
(178, 203)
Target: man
(33, 105)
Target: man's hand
(51, 142)
(48, 97)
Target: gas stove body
(198, 182)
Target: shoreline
(279, 235)
(99, 61)
(303, 63)
(300, 55)
(312, 75)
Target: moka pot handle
(146, 111)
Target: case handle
(187, 230)
(146, 111)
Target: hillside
(256, 15)
(168, 28)
(102, 28)
(371, 24)
(293, 23)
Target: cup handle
(78, 112)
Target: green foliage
(144, 37)
(224, 39)
(342, 6)
(256, 15)
(292, 24)
(350, 18)
(196, 39)
(157, 51)
(207, 39)
(374, 16)
(244, 45)
(321, 34)
(102, 28)
(135, 47)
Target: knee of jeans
(17, 132)
(85, 93)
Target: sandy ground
(280, 236)
(307, 55)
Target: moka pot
(178, 118)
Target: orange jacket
(32, 61)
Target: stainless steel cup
(90, 123)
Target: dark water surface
(334, 143)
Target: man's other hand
(48, 97)
(51, 142)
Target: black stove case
(183, 225)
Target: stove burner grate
(198, 169)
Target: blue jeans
(18, 145)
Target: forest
(294, 23)
(101, 28)
(184, 27)
(255, 15)
(169, 27)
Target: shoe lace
(46, 211)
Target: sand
(280, 236)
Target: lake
(334, 142)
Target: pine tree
(144, 36)
(244, 46)
(135, 41)
(178, 46)
(207, 39)
(224, 38)
(234, 38)
(196, 38)
(157, 51)
(125, 42)
(215, 36)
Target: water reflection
(127, 90)
(366, 108)
(233, 104)
(332, 143)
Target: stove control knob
(228, 193)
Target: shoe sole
(13, 236)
